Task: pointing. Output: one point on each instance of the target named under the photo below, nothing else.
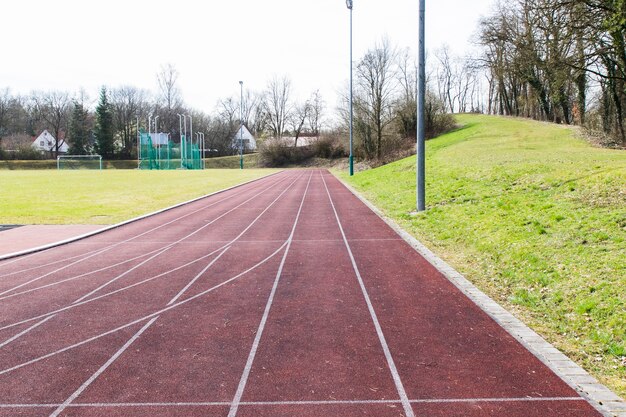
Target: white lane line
(142, 319)
(21, 271)
(122, 275)
(171, 245)
(193, 281)
(408, 410)
(135, 337)
(53, 284)
(98, 251)
(255, 345)
(103, 368)
(301, 403)
(22, 333)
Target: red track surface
(284, 297)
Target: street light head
(349, 4)
(240, 82)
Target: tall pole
(138, 145)
(203, 151)
(241, 126)
(180, 132)
(156, 132)
(351, 160)
(421, 101)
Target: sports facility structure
(158, 151)
(79, 162)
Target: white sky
(73, 44)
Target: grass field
(536, 218)
(104, 197)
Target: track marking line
(142, 319)
(135, 337)
(22, 333)
(103, 368)
(406, 405)
(193, 281)
(53, 284)
(234, 406)
(301, 403)
(171, 245)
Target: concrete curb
(115, 226)
(600, 397)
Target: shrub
(278, 153)
(330, 146)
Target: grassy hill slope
(536, 218)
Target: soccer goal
(79, 162)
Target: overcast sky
(73, 44)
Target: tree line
(111, 128)
(558, 60)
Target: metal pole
(203, 151)
(185, 137)
(180, 133)
(421, 101)
(138, 145)
(191, 134)
(241, 126)
(156, 132)
(351, 159)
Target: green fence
(162, 156)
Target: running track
(283, 297)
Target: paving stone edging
(136, 219)
(599, 396)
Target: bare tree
(376, 87)
(316, 112)
(277, 104)
(297, 119)
(53, 108)
(128, 103)
(169, 101)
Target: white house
(249, 142)
(45, 142)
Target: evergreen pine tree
(79, 131)
(104, 133)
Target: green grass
(249, 161)
(52, 164)
(104, 197)
(536, 218)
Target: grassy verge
(104, 197)
(534, 217)
(249, 161)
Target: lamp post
(421, 97)
(351, 160)
(241, 126)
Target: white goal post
(79, 162)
